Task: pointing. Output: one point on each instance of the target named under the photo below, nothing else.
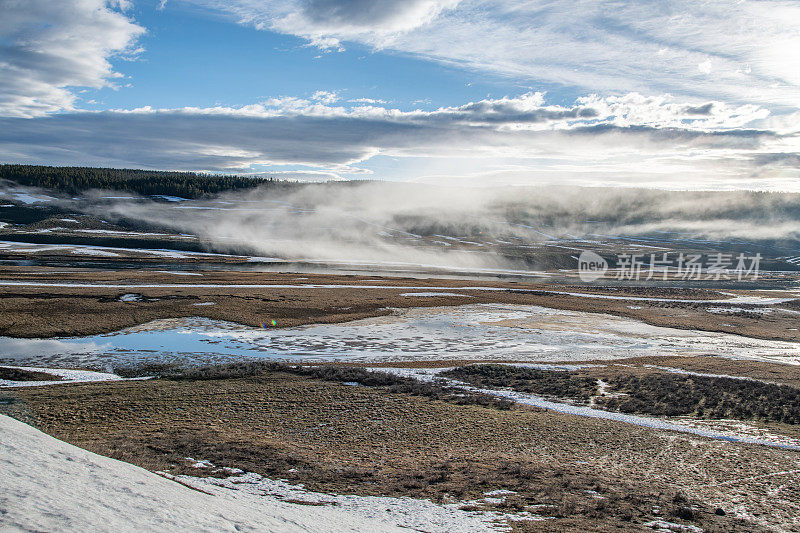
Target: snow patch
(170, 198)
(27, 198)
(433, 294)
(410, 513)
(66, 375)
(93, 251)
(662, 526)
(733, 310)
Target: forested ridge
(73, 180)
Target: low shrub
(704, 397)
(345, 374)
(552, 383)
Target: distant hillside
(73, 180)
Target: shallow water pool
(475, 332)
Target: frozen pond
(475, 332)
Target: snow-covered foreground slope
(49, 485)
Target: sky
(672, 94)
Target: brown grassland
(35, 311)
(583, 474)
(586, 474)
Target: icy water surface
(477, 332)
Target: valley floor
(567, 472)
(465, 466)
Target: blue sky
(667, 94)
(196, 58)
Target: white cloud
(662, 111)
(47, 48)
(733, 124)
(633, 139)
(325, 23)
(325, 97)
(744, 51)
(367, 101)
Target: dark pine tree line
(74, 180)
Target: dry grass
(348, 375)
(30, 311)
(16, 374)
(590, 474)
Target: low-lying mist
(367, 222)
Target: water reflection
(475, 332)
